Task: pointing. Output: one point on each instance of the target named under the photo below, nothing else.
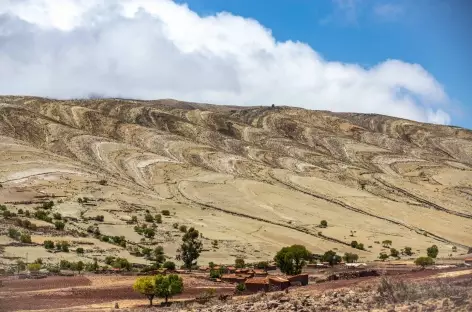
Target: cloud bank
(150, 49)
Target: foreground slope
(254, 179)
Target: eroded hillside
(254, 179)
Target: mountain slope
(253, 178)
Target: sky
(409, 59)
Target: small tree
(323, 223)
(59, 225)
(407, 251)
(454, 249)
(394, 253)
(80, 250)
(169, 265)
(175, 225)
(146, 286)
(134, 219)
(239, 263)
(360, 246)
(383, 256)
(48, 205)
(183, 228)
(240, 287)
(13, 233)
(149, 233)
(165, 212)
(80, 266)
(291, 260)
(159, 255)
(168, 285)
(432, 251)
(148, 217)
(331, 257)
(21, 266)
(263, 265)
(190, 249)
(48, 244)
(57, 216)
(350, 257)
(354, 244)
(158, 218)
(424, 261)
(387, 243)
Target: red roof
(257, 280)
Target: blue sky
(434, 33)
(403, 58)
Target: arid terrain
(254, 179)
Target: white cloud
(388, 11)
(150, 49)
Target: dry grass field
(253, 178)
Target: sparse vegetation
(407, 251)
(175, 225)
(48, 205)
(48, 244)
(383, 256)
(25, 238)
(394, 253)
(80, 251)
(34, 267)
(59, 225)
(183, 228)
(323, 224)
(158, 218)
(148, 218)
(240, 287)
(387, 243)
(57, 216)
(103, 182)
(165, 213)
(239, 263)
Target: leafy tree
(80, 250)
(424, 261)
(350, 257)
(190, 249)
(387, 243)
(121, 263)
(360, 246)
(48, 244)
(149, 233)
(80, 266)
(57, 216)
(59, 225)
(146, 286)
(158, 218)
(323, 223)
(165, 212)
(48, 205)
(291, 260)
(407, 251)
(354, 244)
(168, 285)
(169, 265)
(239, 263)
(215, 274)
(432, 251)
(331, 257)
(183, 228)
(34, 267)
(159, 255)
(394, 252)
(383, 256)
(25, 238)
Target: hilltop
(253, 179)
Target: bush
(13, 233)
(48, 244)
(158, 218)
(263, 265)
(407, 251)
(99, 218)
(454, 249)
(79, 250)
(121, 263)
(360, 246)
(331, 257)
(48, 205)
(394, 253)
(59, 225)
(103, 182)
(34, 267)
(354, 244)
(214, 243)
(27, 213)
(215, 274)
(323, 223)
(7, 214)
(148, 217)
(149, 233)
(183, 228)
(3, 207)
(240, 287)
(169, 265)
(134, 219)
(62, 246)
(57, 216)
(387, 243)
(165, 212)
(383, 256)
(175, 225)
(432, 251)
(25, 238)
(424, 261)
(20, 211)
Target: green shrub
(215, 274)
(175, 225)
(57, 216)
(354, 244)
(25, 238)
(323, 223)
(169, 265)
(424, 261)
(240, 287)
(383, 256)
(394, 253)
(34, 267)
(99, 218)
(407, 251)
(20, 211)
(158, 218)
(165, 212)
(432, 251)
(48, 244)
(59, 225)
(183, 228)
(13, 233)
(148, 217)
(79, 250)
(48, 205)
